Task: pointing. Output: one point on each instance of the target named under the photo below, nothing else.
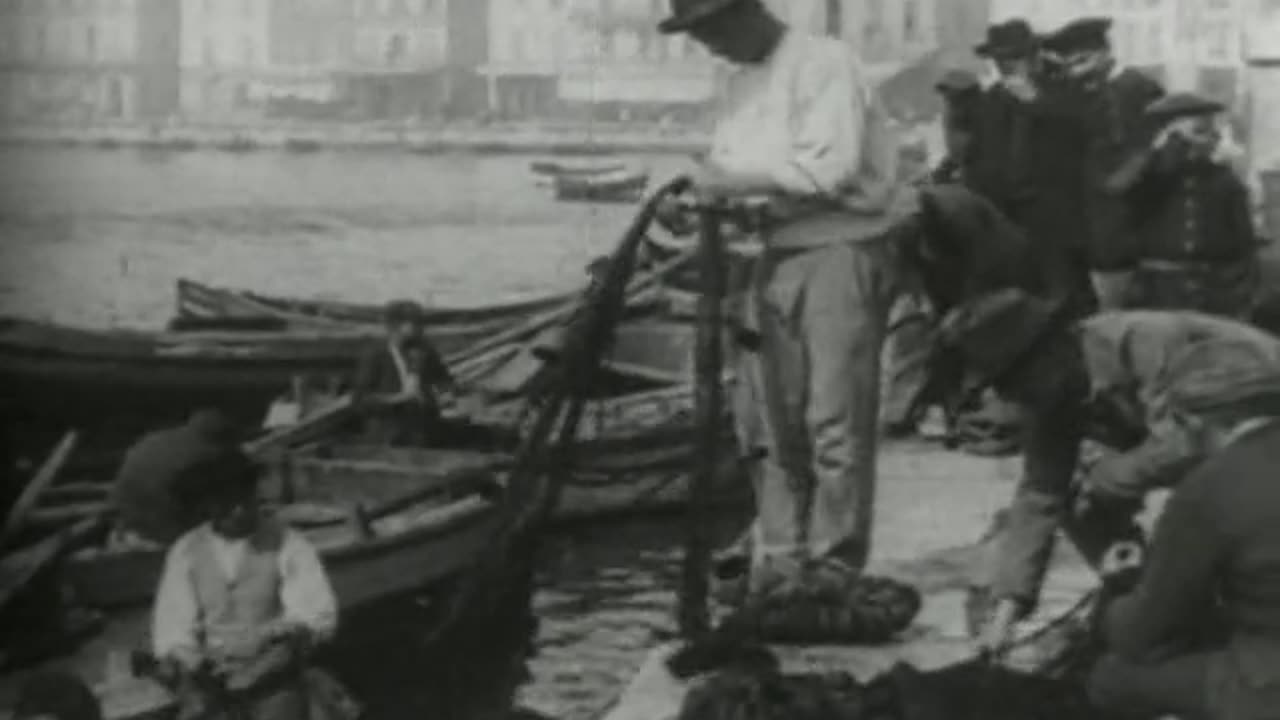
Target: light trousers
(807, 399)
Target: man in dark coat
(1197, 249)
(1105, 378)
(1029, 158)
(961, 94)
(1111, 103)
(1199, 636)
(398, 379)
(148, 492)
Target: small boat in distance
(623, 186)
(555, 168)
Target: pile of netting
(744, 681)
(824, 604)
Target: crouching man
(1199, 637)
(1106, 378)
(242, 602)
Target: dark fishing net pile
(854, 610)
(740, 680)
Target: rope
(546, 453)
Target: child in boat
(400, 380)
(242, 602)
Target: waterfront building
(225, 58)
(619, 67)
(529, 41)
(399, 66)
(88, 60)
(307, 43)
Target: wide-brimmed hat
(994, 333)
(1014, 38)
(1214, 377)
(1179, 105)
(1078, 35)
(687, 13)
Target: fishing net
(1043, 681)
(834, 605)
(551, 425)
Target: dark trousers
(1176, 686)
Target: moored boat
(619, 187)
(559, 168)
(448, 326)
(77, 375)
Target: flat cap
(1088, 33)
(1180, 105)
(1215, 377)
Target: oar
(17, 518)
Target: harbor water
(98, 237)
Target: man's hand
(997, 636)
(1022, 87)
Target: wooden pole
(43, 478)
(694, 616)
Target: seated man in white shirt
(798, 126)
(243, 599)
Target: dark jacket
(1187, 211)
(967, 247)
(1197, 248)
(1216, 552)
(148, 494)
(1118, 129)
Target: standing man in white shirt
(797, 125)
(244, 598)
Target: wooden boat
(450, 328)
(557, 168)
(77, 375)
(620, 187)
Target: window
(397, 46)
(248, 53)
(210, 52)
(91, 42)
(911, 30)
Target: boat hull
(70, 376)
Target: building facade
(617, 66)
(399, 66)
(88, 60)
(225, 58)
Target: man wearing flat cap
(1113, 110)
(1197, 249)
(1030, 148)
(800, 127)
(1198, 634)
(1106, 378)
